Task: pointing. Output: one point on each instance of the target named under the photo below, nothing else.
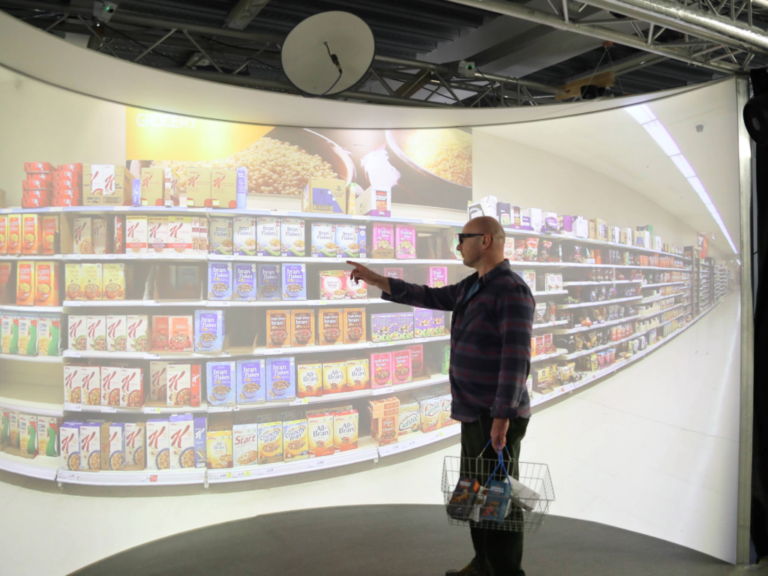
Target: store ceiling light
(645, 116)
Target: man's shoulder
(508, 279)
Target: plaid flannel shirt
(490, 339)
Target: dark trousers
(497, 552)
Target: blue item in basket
(496, 502)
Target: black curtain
(759, 526)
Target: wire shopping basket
(480, 492)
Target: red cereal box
(36, 167)
(70, 168)
(381, 370)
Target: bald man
(490, 361)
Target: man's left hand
(499, 433)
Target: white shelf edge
(19, 358)
(544, 357)
(42, 467)
(419, 439)
(36, 408)
(581, 329)
(169, 477)
(603, 303)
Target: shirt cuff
(397, 288)
(499, 410)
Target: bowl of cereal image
(280, 387)
(207, 340)
(251, 390)
(187, 458)
(163, 459)
(244, 290)
(116, 460)
(293, 290)
(220, 289)
(220, 392)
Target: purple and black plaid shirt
(490, 339)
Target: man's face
(472, 248)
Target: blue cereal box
(294, 281)
(201, 427)
(251, 381)
(219, 281)
(209, 331)
(221, 382)
(244, 285)
(268, 282)
(281, 379)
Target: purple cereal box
(405, 242)
(294, 281)
(221, 382)
(383, 240)
(402, 326)
(209, 331)
(244, 288)
(281, 379)
(268, 282)
(219, 281)
(380, 326)
(437, 327)
(251, 381)
(422, 320)
(201, 429)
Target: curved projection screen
(144, 344)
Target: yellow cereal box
(50, 233)
(358, 375)
(295, 439)
(47, 284)
(310, 380)
(345, 430)
(25, 284)
(334, 377)
(92, 280)
(3, 233)
(73, 280)
(14, 234)
(219, 449)
(114, 281)
(30, 225)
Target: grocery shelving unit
(722, 281)
(675, 293)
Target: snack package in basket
(497, 500)
(463, 498)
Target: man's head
(487, 247)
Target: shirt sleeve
(422, 296)
(515, 312)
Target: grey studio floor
(406, 540)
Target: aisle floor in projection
(388, 540)
(639, 470)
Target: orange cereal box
(14, 234)
(47, 284)
(25, 283)
(114, 281)
(180, 335)
(92, 279)
(50, 234)
(3, 234)
(30, 237)
(345, 430)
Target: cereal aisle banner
(423, 167)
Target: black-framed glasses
(463, 237)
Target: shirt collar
(499, 269)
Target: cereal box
(158, 445)
(70, 444)
(161, 327)
(245, 444)
(179, 383)
(219, 449)
(13, 428)
(405, 242)
(14, 234)
(334, 377)
(381, 368)
(114, 281)
(268, 237)
(158, 381)
(5, 276)
(294, 282)
(25, 284)
(401, 359)
(82, 236)
(382, 326)
(431, 409)
(135, 455)
(72, 384)
(158, 234)
(3, 234)
(309, 381)
(209, 331)
(422, 320)
(201, 431)
(131, 387)
(437, 276)
(138, 333)
(269, 281)
(384, 419)
(409, 418)
(220, 281)
(402, 326)
(295, 440)
(251, 381)
(224, 185)
(281, 379)
(90, 384)
(99, 235)
(182, 431)
(116, 444)
(152, 186)
(96, 329)
(77, 327)
(136, 236)
(345, 431)
(270, 443)
(10, 334)
(292, 237)
(446, 401)
(355, 290)
(320, 434)
(28, 434)
(48, 435)
(324, 240)
(221, 382)
(110, 385)
(48, 334)
(303, 328)
(117, 334)
(118, 240)
(417, 361)
(358, 375)
(333, 285)
(278, 328)
(90, 446)
(27, 335)
(74, 282)
(244, 235)
(220, 233)
(353, 324)
(383, 242)
(179, 234)
(348, 240)
(325, 195)
(438, 327)
(91, 280)
(329, 326)
(244, 288)
(30, 234)
(198, 187)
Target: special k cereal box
(136, 237)
(131, 387)
(158, 381)
(96, 327)
(116, 446)
(82, 236)
(135, 453)
(158, 235)
(179, 234)
(73, 376)
(70, 444)
(138, 333)
(117, 334)
(91, 385)
(158, 445)
(90, 446)
(78, 332)
(182, 430)
(152, 186)
(183, 384)
(118, 240)
(198, 187)
(99, 235)
(110, 385)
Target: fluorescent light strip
(645, 117)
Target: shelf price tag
(108, 409)
(299, 402)
(151, 409)
(73, 407)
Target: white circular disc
(306, 61)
